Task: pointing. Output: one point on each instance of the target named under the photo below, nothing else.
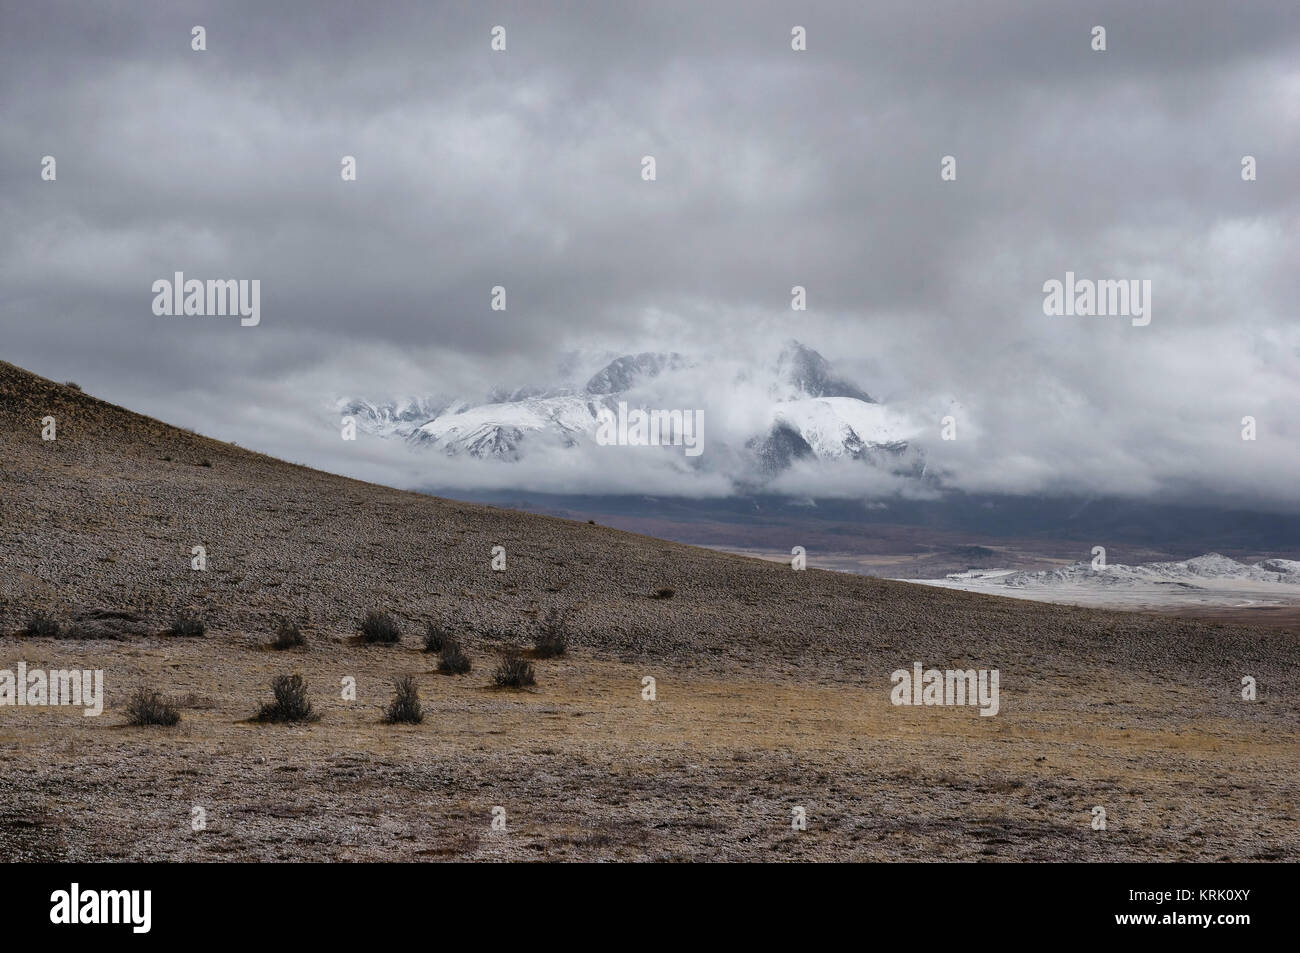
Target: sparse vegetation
(515, 671)
(405, 706)
(453, 660)
(187, 625)
(435, 637)
(552, 638)
(105, 624)
(291, 701)
(193, 700)
(664, 592)
(151, 708)
(288, 636)
(42, 625)
(380, 627)
(73, 384)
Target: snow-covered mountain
(1210, 582)
(398, 416)
(1209, 568)
(794, 408)
(805, 373)
(500, 430)
(626, 372)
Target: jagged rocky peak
(623, 373)
(807, 371)
(403, 410)
(506, 395)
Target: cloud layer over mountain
(629, 427)
(775, 169)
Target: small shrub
(552, 637)
(380, 627)
(291, 701)
(73, 384)
(664, 592)
(205, 462)
(188, 625)
(452, 660)
(435, 637)
(151, 708)
(288, 636)
(515, 671)
(405, 706)
(106, 624)
(42, 625)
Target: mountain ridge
(812, 414)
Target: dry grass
(589, 770)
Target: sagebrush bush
(405, 706)
(552, 636)
(288, 636)
(291, 701)
(151, 708)
(452, 660)
(380, 627)
(435, 637)
(42, 625)
(515, 671)
(187, 624)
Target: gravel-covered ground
(772, 685)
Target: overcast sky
(774, 168)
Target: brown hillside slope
(774, 683)
(102, 518)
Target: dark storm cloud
(775, 168)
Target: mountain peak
(625, 372)
(807, 371)
(796, 409)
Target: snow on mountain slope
(1209, 582)
(802, 372)
(624, 373)
(397, 417)
(842, 426)
(794, 407)
(499, 430)
(1287, 570)
(1210, 568)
